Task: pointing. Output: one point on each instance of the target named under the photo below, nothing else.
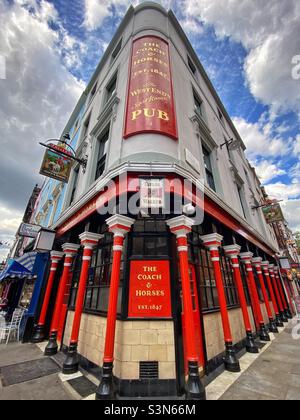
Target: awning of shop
(20, 268)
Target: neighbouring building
(157, 299)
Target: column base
(231, 362)
(52, 346)
(283, 317)
(272, 327)
(288, 314)
(251, 347)
(279, 322)
(263, 334)
(71, 364)
(39, 334)
(194, 388)
(106, 390)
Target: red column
(39, 334)
(258, 266)
(70, 251)
(276, 289)
(213, 243)
(282, 293)
(89, 241)
(247, 258)
(119, 226)
(288, 291)
(265, 267)
(233, 252)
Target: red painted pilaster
(280, 288)
(257, 262)
(247, 260)
(56, 257)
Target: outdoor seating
(7, 330)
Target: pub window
(86, 126)
(229, 282)
(111, 88)
(93, 92)
(74, 185)
(245, 282)
(116, 51)
(198, 104)
(192, 66)
(102, 151)
(208, 168)
(149, 239)
(76, 269)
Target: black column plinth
(194, 387)
(283, 317)
(279, 322)
(251, 346)
(231, 362)
(71, 364)
(288, 314)
(52, 346)
(272, 327)
(106, 390)
(39, 334)
(263, 334)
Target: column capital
(232, 251)
(246, 257)
(276, 269)
(265, 264)
(213, 240)
(119, 224)
(56, 256)
(257, 261)
(89, 238)
(70, 248)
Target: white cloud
(259, 140)
(267, 170)
(270, 31)
(37, 97)
(282, 191)
(291, 210)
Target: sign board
(152, 193)
(285, 263)
(57, 166)
(28, 230)
(150, 103)
(150, 290)
(273, 213)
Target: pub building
(157, 299)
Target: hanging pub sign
(273, 213)
(152, 194)
(150, 294)
(150, 103)
(55, 165)
(285, 263)
(28, 230)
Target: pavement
(274, 374)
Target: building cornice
(142, 167)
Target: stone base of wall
(136, 342)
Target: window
(101, 159)
(93, 92)
(111, 88)
(229, 283)
(198, 104)
(150, 239)
(220, 116)
(192, 66)
(245, 282)
(86, 126)
(208, 168)
(240, 190)
(116, 51)
(74, 187)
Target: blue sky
(52, 48)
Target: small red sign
(150, 104)
(150, 290)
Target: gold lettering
(163, 116)
(136, 114)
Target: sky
(49, 50)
